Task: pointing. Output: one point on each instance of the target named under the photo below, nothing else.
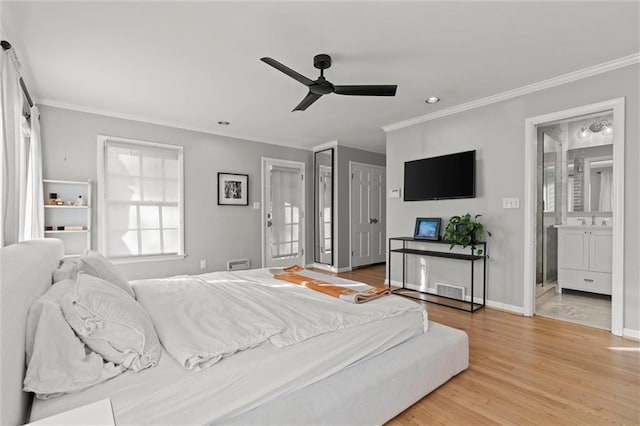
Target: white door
(368, 214)
(283, 201)
(379, 213)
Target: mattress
(170, 394)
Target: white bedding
(217, 314)
(170, 394)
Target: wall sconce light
(599, 126)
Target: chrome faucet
(593, 220)
(583, 222)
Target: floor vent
(449, 290)
(239, 264)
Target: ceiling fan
(321, 86)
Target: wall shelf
(66, 232)
(78, 240)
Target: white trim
(100, 188)
(535, 87)
(505, 307)
(630, 332)
(357, 163)
(303, 167)
(324, 267)
(327, 145)
(478, 300)
(345, 269)
(617, 288)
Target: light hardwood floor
(529, 371)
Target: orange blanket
(350, 295)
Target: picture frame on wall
(233, 189)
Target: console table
(442, 254)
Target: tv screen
(438, 178)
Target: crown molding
(524, 90)
(147, 120)
(326, 145)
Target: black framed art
(233, 189)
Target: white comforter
(202, 319)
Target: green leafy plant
(465, 231)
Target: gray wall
(496, 131)
(342, 231)
(212, 232)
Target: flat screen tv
(439, 178)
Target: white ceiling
(193, 64)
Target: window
(140, 198)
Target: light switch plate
(394, 193)
(256, 205)
(511, 203)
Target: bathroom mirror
(323, 206)
(589, 179)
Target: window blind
(142, 203)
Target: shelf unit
(423, 296)
(75, 241)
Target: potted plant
(465, 231)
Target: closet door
(378, 213)
(368, 214)
(360, 215)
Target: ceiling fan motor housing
(322, 61)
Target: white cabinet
(68, 219)
(584, 259)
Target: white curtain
(11, 104)
(34, 198)
(18, 160)
(605, 202)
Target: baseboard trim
(345, 269)
(324, 267)
(631, 333)
(490, 303)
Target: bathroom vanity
(584, 258)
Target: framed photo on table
(233, 189)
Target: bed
(370, 373)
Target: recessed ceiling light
(223, 123)
(432, 100)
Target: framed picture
(233, 189)
(427, 228)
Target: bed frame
(370, 392)
(26, 273)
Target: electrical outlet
(511, 203)
(203, 263)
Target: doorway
(368, 214)
(283, 201)
(574, 217)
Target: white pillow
(94, 263)
(111, 323)
(57, 360)
(66, 271)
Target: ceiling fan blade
(371, 90)
(288, 71)
(307, 101)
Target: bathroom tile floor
(579, 307)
